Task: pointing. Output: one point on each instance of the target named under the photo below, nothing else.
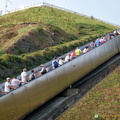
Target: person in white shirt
(43, 70)
(61, 61)
(24, 76)
(86, 49)
(68, 57)
(8, 86)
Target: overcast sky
(106, 10)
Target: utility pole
(6, 5)
(0, 12)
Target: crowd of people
(25, 78)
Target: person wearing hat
(24, 76)
(8, 86)
(43, 69)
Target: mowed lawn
(102, 102)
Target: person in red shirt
(73, 54)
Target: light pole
(6, 5)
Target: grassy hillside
(33, 36)
(103, 100)
(52, 27)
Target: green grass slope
(33, 36)
(103, 100)
(54, 25)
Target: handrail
(48, 64)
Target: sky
(105, 10)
